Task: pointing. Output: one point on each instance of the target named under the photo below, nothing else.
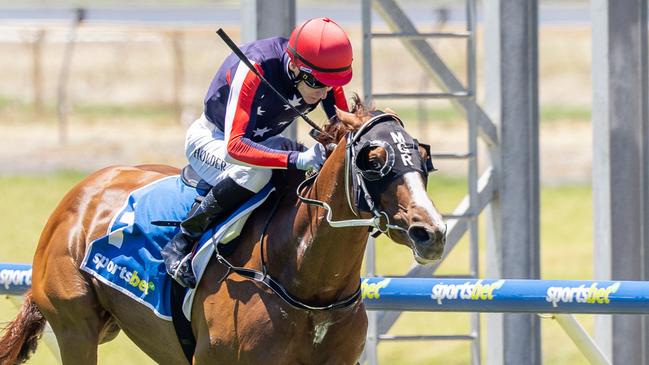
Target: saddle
(191, 178)
(128, 258)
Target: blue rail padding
(15, 279)
(461, 295)
(506, 295)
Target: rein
(376, 222)
(264, 278)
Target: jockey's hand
(313, 157)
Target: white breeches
(205, 149)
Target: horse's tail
(21, 335)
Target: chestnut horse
(311, 245)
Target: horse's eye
(372, 158)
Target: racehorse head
(387, 174)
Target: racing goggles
(310, 80)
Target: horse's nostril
(419, 234)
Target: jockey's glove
(313, 157)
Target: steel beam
(511, 48)
(620, 165)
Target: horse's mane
(336, 130)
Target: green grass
(26, 202)
(555, 113)
(137, 111)
(157, 114)
(5, 102)
(445, 113)
(439, 113)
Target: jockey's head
(322, 52)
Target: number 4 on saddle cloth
(128, 258)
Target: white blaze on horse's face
(420, 197)
(427, 230)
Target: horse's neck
(328, 260)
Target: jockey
(236, 143)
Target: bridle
(358, 176)
(353, 173)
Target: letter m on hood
(397, 137)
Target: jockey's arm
(240, 120)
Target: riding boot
(220, 201)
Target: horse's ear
(349, 119)
(390, 111)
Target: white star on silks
(259, 132)
(294, 101)
(283, 123)
(260, 111)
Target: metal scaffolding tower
(512, 193)
(464, 218)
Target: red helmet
(321, 47)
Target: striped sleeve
(339, 97)
(335, 97)
(239, 118)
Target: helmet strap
(291, 74)
(296, 80)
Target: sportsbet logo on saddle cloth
(128, 257)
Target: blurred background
(122, 85)
(146, 68)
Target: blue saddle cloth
(128, 257)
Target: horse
(309, 240)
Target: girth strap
(182, 326)
(278, 289)
(274, 285)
